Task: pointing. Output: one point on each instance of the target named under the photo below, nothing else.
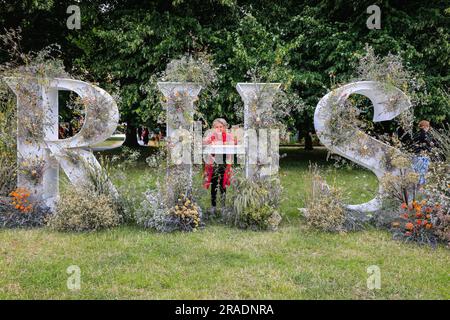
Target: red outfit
(209, 168)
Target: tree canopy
(307, 45)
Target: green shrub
(8, 163)
(438, 181)
(155, 213)
(35, 215)
(327, 212)
(259, 218)
(255, 204)
(84, 210)
(126, 196)
(325, 209)
(442, 227)
(171, 205)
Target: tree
(308, 45)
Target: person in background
(422, 147)
(309, 141)
(61, 132)
(70, 130)
(158, 135)
(145, 136)
(139, 132)
(217, 173)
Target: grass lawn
(224, 263)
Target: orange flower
(404, 205)
(20, 200)
(418, 222)
(418, 215)
(428, 210)
(429, 226)
(409, 226)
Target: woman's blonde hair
(424, 124)
(222, 121)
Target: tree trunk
(130, 137)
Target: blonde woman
(217, 174)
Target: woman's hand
(211, 139)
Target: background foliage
(308, 45)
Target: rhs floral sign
(179, 101)
(256, 145)
(39, 151)
(174, 206)
(262, 154)
(336, 131)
